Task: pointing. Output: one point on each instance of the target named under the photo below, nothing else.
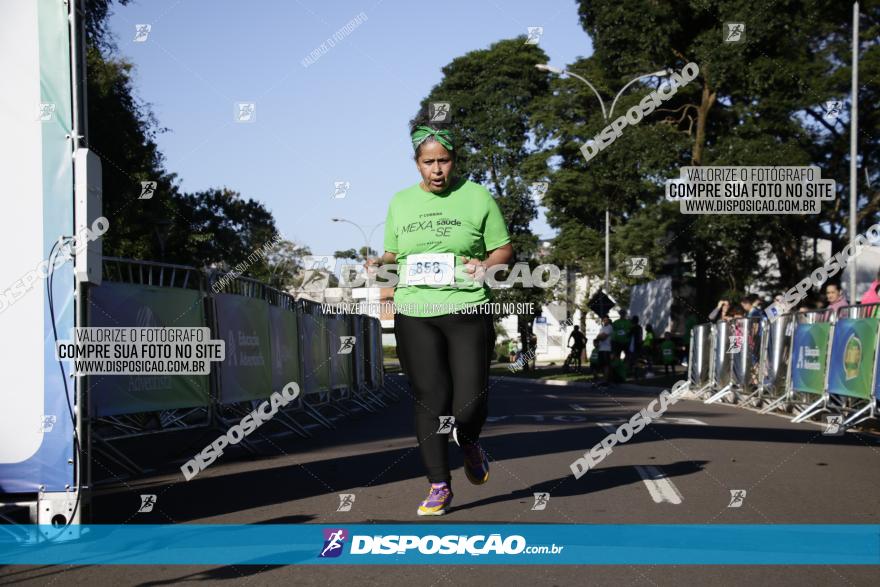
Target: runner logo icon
(147, 503)
(541, 500)
(346, 500)
(447, 423)
(737, 497)
(334, 540)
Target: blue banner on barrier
(540, 544)
(852, 357)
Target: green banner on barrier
(348, 357)
(285, 347)
(334, 332)
(377, 357)
(852, 357)
(809, 357)
(125, 304)
(244, 324)
(315, 345)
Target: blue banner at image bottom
(538, 544)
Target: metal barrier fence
(721, 365)
(700, 357)
(807, 362)
(776, 352)
(271, 339)
(742, 350)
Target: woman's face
(435, 164)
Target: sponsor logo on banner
(852, 357)
(808, 358)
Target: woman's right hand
(372, 265)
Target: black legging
(446, 359)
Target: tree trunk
(702, 116)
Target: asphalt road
(681, 469)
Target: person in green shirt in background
(439, 225)
(621, 330)
(667, 351)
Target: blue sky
(342, 118)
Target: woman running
(443, 233)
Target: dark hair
(424, 119)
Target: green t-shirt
(667, 350)
(621, 329)
(464, 220)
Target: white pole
(607, 249)
(853, 138)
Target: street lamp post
(854, 149)
(606, 117)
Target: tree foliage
(212, 228)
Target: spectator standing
(721, 311)
(603, 342)
(635, 344)
(667, 352)
(871, 296)
(751, 305)
(835, 297)
(621, 335)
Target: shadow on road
(286, 478)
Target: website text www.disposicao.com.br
(450, 544)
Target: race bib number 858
(430, 269)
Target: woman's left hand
(475, 268)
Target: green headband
(444, 137)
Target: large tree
(491, 93)
(757, 102)
(215, 227)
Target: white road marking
(555, 382)
(692, 421)
(577, 407)
(609, 428)
(550, 395)
(660, 488)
